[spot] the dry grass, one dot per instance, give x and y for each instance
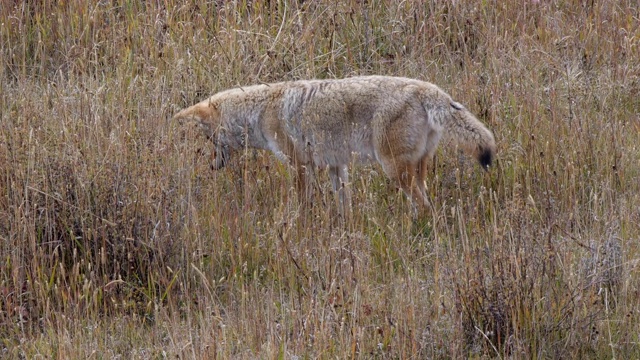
(117, 241)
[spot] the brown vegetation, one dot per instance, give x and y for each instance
(117, 240)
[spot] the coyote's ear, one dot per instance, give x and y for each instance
(206, 111)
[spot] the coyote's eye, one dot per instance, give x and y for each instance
(456, 105)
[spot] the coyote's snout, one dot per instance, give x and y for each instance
(394, 121)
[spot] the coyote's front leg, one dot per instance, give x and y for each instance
(341, 188)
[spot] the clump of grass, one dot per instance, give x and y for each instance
(117, 239)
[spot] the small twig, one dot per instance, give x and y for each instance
(73, 206)
(566, 233)
(490, 342)
(291, 255)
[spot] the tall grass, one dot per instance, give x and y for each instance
(117, 240)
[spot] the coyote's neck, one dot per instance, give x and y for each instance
(243, 122)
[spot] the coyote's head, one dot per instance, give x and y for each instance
(206, 116)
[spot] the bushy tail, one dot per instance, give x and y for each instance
(465, 129)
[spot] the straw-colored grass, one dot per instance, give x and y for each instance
(117, 240)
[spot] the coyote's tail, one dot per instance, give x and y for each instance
(471, 134)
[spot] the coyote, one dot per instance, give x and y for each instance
(394, 121)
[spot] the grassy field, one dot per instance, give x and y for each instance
(118, 241)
